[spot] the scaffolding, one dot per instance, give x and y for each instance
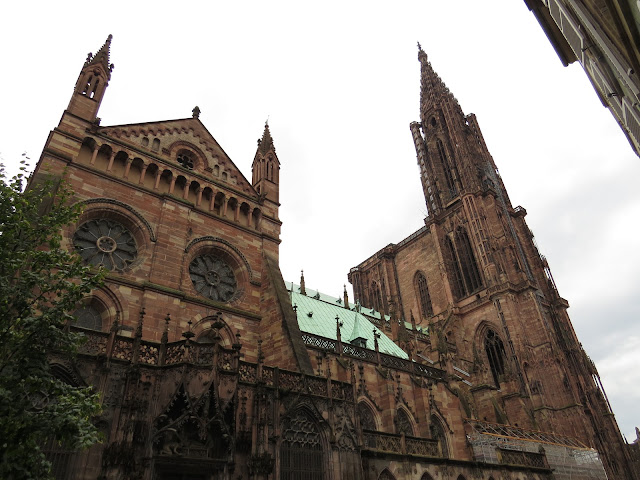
(568, 458)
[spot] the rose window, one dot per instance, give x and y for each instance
(185, 160)
(105, 242)
(212, 278)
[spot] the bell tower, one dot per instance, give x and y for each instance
(92, 83)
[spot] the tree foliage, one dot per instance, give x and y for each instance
(41, 282)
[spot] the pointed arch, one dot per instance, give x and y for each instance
(494, 348)
(404, 422)
(426, 476)
(376, 297)
(386, 475)
(366, 416)
(422, 293)
(302, 448)
(214, 328)
(194, 427)
(438, 433)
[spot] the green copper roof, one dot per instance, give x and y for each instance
(317, 315)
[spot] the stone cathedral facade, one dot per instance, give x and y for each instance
(456, 362)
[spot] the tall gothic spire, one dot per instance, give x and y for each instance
(433, 92)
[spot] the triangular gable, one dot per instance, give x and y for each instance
(172, 134)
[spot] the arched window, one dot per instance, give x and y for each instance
(403, 423)
(88, 316)
(470, 272)
(386, 475)
(457, 286)
(446, 167)
(495, 354)
(376, 297)
(423, 295)
(367, 420)
(437, 433)
(301, 451)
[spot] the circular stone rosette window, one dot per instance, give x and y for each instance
(105, 242)
(212, 278)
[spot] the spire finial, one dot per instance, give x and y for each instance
(346, 296)
(165, 332)
(196, 112)
(421, 53)
(303, 290)
(140, 322)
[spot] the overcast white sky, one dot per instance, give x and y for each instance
(339, 82)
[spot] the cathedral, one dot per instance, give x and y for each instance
(455, 360)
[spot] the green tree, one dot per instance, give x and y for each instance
(41, 282)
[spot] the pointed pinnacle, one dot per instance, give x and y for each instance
(266, 143)
(102, 57)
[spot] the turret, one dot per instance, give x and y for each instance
(266, 168)
(92, 83)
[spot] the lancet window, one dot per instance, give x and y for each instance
(423, 295)
(376, 297)
(495, 354)
(446, 167)
(464, 270)
(469, 267)
(457, 286)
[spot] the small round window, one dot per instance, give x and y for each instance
(105, 242)
(212, 278)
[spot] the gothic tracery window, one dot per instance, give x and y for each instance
(367, 421)
(403, 423)
(105, 242)
(88, 316)
(437, 433)
(185, 159)
(423, 295)
(495, 354)
(301, 450)
(212, 277)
